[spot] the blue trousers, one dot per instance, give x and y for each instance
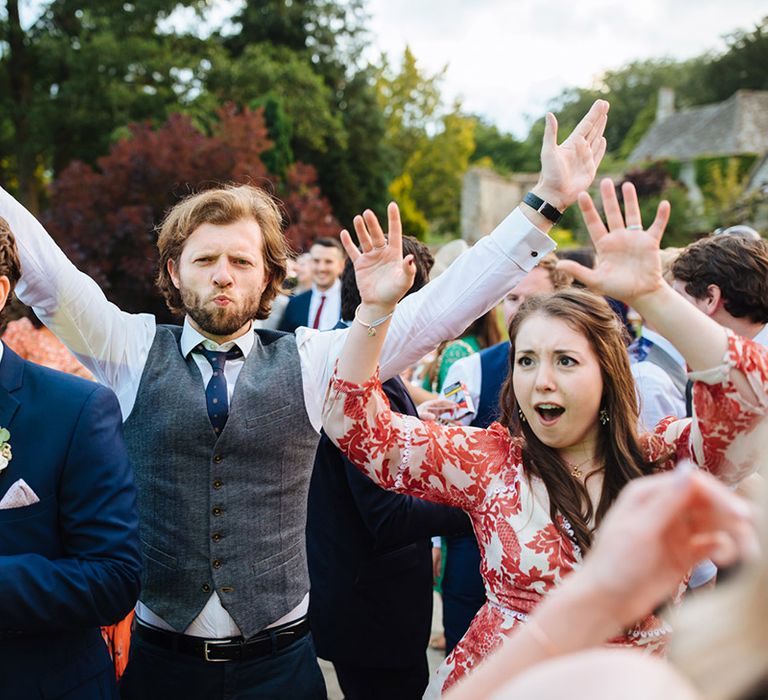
(463, 589)
(154, 673)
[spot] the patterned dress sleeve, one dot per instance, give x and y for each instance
(452, 465)
(727, 434)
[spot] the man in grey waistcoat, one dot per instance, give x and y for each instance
(222, 420)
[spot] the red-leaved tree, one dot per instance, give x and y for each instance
(106, 218)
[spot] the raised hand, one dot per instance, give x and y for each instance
(383, 275)
(658, 529)
(628, 265)
(570, 168)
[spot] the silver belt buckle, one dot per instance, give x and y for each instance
(213, 643)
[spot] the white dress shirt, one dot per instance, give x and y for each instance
(469, 371)
(331, 312)
(657, 395)
(114, 345)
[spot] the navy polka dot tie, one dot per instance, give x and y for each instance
(216, 397)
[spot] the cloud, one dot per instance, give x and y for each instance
(508, 59)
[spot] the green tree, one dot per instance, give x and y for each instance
(742, 66)
(77, 74)
(437, 169)
(307, 53)
(411, 103)
(506, 153)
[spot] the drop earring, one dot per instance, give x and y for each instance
(521, 415)
(603, 417)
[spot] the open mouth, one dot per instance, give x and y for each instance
(549, 412)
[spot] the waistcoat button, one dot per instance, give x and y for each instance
(217, 459)
(205, 588)
(217, 484)
(216, 537)
(216, 564)
(216, 511)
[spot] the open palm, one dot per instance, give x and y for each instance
(628, 264)
(383, 275)
(570, 167)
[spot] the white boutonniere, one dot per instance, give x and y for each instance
(5, 448)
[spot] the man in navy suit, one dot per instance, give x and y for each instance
(369, 555)
(320, 306)
(69, 545)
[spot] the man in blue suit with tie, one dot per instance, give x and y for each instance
(69, 545)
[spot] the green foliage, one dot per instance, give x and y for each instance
(505, 153)
(742, 66)
(726, 183)
(437, 169)
(632, 91)
(410, 101)
(414, 222)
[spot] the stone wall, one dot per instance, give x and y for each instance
(487, 198)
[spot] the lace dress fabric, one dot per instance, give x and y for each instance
(524, 555)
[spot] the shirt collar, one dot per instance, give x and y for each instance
(1, 351)
(664, 344)
(333, 289)
(762, 336)
(190, 339)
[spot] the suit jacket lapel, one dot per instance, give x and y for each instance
(11, 372)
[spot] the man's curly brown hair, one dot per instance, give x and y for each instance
(222, 206)
(737, 265)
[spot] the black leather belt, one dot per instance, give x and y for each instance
(231, 649)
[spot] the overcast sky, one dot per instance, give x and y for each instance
(508, 58)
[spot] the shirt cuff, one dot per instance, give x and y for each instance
(521, 241)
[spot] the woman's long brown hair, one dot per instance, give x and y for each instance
(618, 445)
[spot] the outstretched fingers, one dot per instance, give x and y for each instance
(378, 240)
(662, 219)
(395, 227)
(363, 236)
(549, 140)
(591, 217)
(579, 272)
(631, 206)
(349, 245)
(611, 205)
(591, 121)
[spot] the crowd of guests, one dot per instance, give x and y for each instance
(235, 496)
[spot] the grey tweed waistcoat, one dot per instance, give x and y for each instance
(228, 513)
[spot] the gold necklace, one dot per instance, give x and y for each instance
(576, 472)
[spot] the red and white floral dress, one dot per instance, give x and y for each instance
(524, 556)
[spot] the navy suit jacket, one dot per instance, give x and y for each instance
(370, 560)
(72, 561)
(296, 313)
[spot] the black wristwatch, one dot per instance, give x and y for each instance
(547, 210)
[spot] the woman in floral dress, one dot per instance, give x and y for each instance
(537, 489)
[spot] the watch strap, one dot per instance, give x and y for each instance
(547, 210)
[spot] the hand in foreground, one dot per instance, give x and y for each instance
(628, 265)
(570, 168)
(382, 275)
(660, 527)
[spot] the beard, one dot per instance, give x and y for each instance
(219, 321)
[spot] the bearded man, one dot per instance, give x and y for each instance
(222, 421)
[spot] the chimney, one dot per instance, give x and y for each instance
(665, 105)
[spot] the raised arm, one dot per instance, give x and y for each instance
(731, 391)
(478, 279)
(443, 464)
(112, 344)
